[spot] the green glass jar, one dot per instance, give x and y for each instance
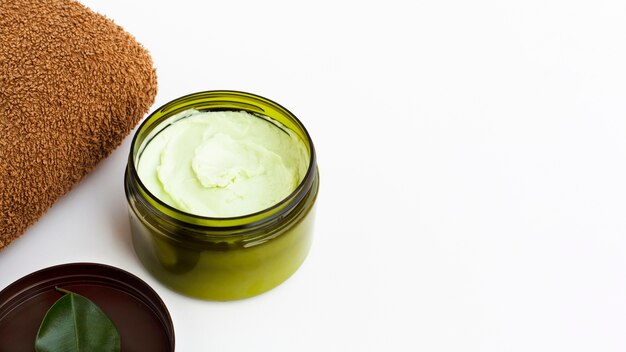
(221, 258)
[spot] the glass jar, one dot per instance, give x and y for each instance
(220, 258)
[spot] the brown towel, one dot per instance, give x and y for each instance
(72, 85)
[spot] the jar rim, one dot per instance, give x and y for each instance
(273, 212)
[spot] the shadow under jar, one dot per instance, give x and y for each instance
(220, 258)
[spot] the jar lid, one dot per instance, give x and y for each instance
(137, 311)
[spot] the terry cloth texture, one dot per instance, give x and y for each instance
(72, 85)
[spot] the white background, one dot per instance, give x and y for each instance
(473, 172)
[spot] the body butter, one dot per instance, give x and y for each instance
(223, 163)
(221, 187)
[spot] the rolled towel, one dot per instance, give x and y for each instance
(72, 85)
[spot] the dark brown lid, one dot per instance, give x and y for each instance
(136, 310)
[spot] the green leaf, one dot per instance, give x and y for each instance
(75, 324)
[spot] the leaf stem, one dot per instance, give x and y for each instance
(62, 290)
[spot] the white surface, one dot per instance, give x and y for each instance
(473, 169)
